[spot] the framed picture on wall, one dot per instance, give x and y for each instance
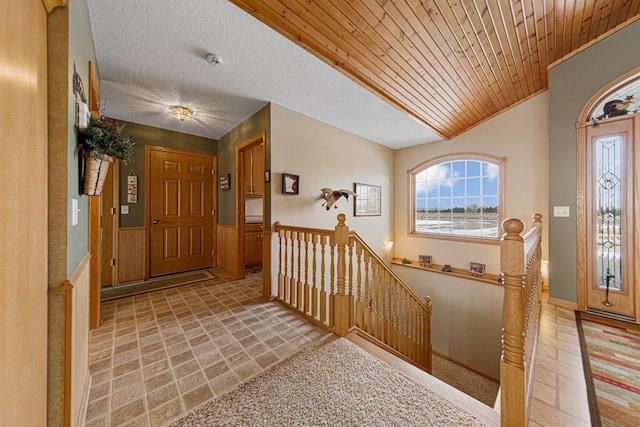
(476, 268)
(425, 260)
(225, 181)
(290, 183)
(368, 199)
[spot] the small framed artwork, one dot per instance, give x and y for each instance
(368, 199)
(476, 268)
(267, 175)
(290, 183)
(225, 181)
(424, 260)
(132, 187)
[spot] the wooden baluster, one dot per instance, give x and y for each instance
(409, 327)
(512, 405)
(415, 330)
(359, 320)
(314, 291)
(323, 282)
(341, 299)
(295, 270)
(305, 285)
(416, 338)
(350, 291)
(406, 327)
(387, 305)
(381, 307)
(299, 281)
(280, 263)
(410, 332)
(332, 283)
(393, 311)
(374, 300)
(286, 265)
(366, 322)
(378, 300)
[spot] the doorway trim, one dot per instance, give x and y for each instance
(240, 204)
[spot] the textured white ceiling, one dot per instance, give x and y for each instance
(151, 55)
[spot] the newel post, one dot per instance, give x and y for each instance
(512, 265)
(340, 299)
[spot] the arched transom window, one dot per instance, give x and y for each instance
(457, 196)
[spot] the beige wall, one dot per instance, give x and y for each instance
(521, 135)
(324, 156)
(467, 314)
(23, 201)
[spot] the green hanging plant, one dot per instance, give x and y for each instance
(104, 136)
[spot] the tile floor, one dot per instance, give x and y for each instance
(559, 391)
(159, 355)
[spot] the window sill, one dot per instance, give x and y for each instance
(492, 279)
(463, 239)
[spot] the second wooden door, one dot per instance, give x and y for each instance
(181, 211)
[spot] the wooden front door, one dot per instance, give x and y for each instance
(181, 211)
(611, 201)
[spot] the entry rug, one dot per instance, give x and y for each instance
(330, 383)
(611, 359)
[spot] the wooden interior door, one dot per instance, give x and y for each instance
(108, 227)
(180, 211)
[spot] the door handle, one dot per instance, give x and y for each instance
(155, 221)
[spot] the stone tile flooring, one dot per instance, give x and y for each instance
(159, 355)
(559, 391)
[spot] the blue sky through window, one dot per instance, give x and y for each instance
(458, 197)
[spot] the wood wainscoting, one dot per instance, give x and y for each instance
(227, 255)
(132, 247)
(77, 379)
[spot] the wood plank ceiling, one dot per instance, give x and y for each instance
(450, 63)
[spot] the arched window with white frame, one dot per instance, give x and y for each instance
(457, 197)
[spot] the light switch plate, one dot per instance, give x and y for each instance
(74, 212)
(124, 210)
(561, 211)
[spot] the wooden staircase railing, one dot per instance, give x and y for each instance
(334, 278)
(520, 258)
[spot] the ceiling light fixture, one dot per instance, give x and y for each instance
(181, 113)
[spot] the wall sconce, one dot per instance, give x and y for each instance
(181, 113)
(388, 245)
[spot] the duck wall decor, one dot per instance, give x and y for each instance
(330, 197)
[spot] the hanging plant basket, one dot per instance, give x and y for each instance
(95, 173)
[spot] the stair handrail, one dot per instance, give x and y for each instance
(316, 277)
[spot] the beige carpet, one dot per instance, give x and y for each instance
(330, 383)
(468, 382)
